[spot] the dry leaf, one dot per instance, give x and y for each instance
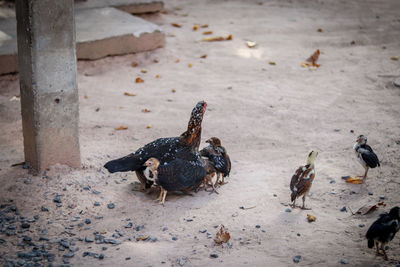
(319, 30)
(177, 25)
(149, 126)
(204, 26)
(103, 232)
(177, 61)
(251, 44)
(313, 58)
(353, 42)
(121, 107)
(367, 209)
(143, 70)
(143, 237)
(218, 38)
(222, 236)
(311, 218)
(121, 128)
(204, 56)
(207, 32)
(155, 60)
(354, 180)
(190, 65)
(145, 110)
(196, 27)
(129, 94)
(139, 80)
(382, 204)
(173, 91)
(394, 58)
(85, 97)
(134, 64)
(158, 76)
(272, 63)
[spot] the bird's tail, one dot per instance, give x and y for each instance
(293, 196)
(370, 243)
(124, 164)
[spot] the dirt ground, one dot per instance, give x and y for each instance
(268, 117)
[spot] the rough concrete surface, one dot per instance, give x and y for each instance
(268, 116)
(99, 32)
(130, 6)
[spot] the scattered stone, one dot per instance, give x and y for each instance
(111, 205)
(88, 221)
(80, 224)
(98, 217)
(297, 258)
(25, 225)
(96, 203)
(154, 239)
(43, 238)
(382, 197)
(344, 209)
(87, 188)
(397, 82)
(57, 199)
(361, 225)
(127, 258)
(203, 231)
(104, 248)
(96, 192)
(189, 220)
(44, 208)
(140, 227)
(332, 181)
(344, 261)
(214, 256)
(69, 255)
(89, 239)
(371, 193)
(174, 238)
(165, 229)
(129, 225)
(288, 210)
(298, 234)
(111, 241)
(258, 226)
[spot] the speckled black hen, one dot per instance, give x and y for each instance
(181, 152)
(383, 230)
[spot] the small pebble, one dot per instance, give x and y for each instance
(343, 209)
(88, 221)
(88, 239)
(371, 193)
(332, 181)
(57, 199)
(258, 226)
(96, 203)
(43, 208)
(203, 231)
(344, 261)
(127, 258)
(288, 210)
(382, 197)
(111, 205)
(298, 234)
(174, 238)
(165, 229)
(214, 256)
(296, 258)
(361, 225)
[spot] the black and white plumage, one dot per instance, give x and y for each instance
(218, 157)
(383, 230)
(173, 151)
(365, 155)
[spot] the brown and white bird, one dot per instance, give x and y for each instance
(211, 172)
(365, 155)
(152, 165)
(302, 179)
(218, 158)
(383, 230)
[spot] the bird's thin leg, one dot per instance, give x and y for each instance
(385, 257)
(377, 248)
(214, 190)
(304, 200)
(294, 204)
(366, 171)
(217, 181)
(163, 199)
(160, 196)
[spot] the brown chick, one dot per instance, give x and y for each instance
(153, 164)
(302, 180)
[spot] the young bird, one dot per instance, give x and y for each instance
(211, 171)
(302, 179)
(152, 165)
(365, 154)
(383, 230)
(218, 157)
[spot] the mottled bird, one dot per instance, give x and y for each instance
(218, 158)
(365, 155)
(302, 179)
(383, 230)
(182, 150)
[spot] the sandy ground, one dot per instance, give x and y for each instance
(268, 118)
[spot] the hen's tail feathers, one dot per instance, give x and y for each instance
(370, 243)
(124, 164)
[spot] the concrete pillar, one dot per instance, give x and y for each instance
(48, 84)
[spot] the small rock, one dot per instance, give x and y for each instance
(288, 210)
(88, 239)
(361, 225)
(332, 181)
(203, 231)
(111, 241)
(298, 234)
(44, 208)
(189, 220)
(111, 205)
(165, 229)
(275, 195)
(397, 82)
(174, 238)
(382, 197)
(296, 258)
(371, 193)
(343, 209)
(69, 255)
(140, 227)
(127, 258)
(57, 199)
(344, 261)
(104, 248)
(88, 221)
(101, 256)
(96, 192)
(258, 226)
(25, 225)
(96, 203)
(129, 225)
(214, 256)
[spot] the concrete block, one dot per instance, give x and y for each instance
(130, 6)
(108, 31)
(48, 83)
(99, 33)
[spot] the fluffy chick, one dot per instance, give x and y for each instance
(365, 155)
(152, 164)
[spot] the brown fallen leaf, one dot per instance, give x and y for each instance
(354, 180)
(222, 236)
(204, 26)
(207, 32)
(190, 65)
(149, 126)
(155, 60)
(177, 61)
(272, 63)
(319, 30)
(382, 204)
(313, 58)
(394, 58)
(129, 94)
(158, 76)
(121, 128)
(218, 38)
(134, 64)
(196, 27)
(177, 25)
(143, 237)
(367, 209)
(143, 71)
(85, 97)
(353, 42)
(103, 232)
(145, 110)
(173, 91)
(311, 218)
(139, 80)
(204, 56)
(251, 44)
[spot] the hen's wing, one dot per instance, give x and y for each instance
(369, 157)
(181, 174)
(164, 149)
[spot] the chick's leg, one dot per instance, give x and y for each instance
(160, 196)
(217, 181)
(293, 205)
(304, 200)
(164, 196)
(366, 171)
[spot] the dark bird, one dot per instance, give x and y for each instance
(180, 152)
(217, 156)
(365, 154)
(177, 175)
(383, 230)
(302, 179)
(211, 172)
